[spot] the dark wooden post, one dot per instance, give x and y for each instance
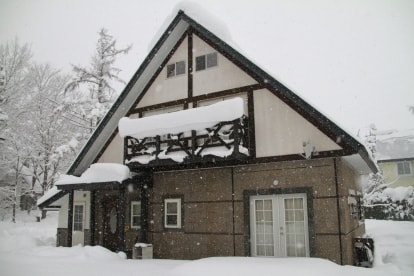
(144, 211)
(157, 147)
(126, 141)
(236, 133)
(121, 217)
(193, 143)
(92, 218)
(70, 220)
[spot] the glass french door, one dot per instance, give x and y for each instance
(278, 225)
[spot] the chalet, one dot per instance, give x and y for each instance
(206, 154)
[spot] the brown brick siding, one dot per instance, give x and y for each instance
(214, 212)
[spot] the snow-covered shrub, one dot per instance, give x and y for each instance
(390, 204)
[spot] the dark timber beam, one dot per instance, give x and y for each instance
(92, 219)
(144, 213)
(121, 218)
(70, 219)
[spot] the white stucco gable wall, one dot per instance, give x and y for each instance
(165, 89)
(226, 75)
(114, 153)
(280, 130)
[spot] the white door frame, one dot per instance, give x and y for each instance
(273, 225)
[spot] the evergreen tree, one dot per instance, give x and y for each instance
(91, 90)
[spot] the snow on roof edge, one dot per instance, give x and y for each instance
(98, 172)
(48, 194)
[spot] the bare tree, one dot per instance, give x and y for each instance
(49, 130)
(14, 59)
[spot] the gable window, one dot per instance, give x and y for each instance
(135, 214)
(175, 69)
(404, 168)
(172, 213)
(206, 61)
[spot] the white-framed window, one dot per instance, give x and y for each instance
(135, 214)
(175, 69)
(404, 168)
(78, 217)
(172, 213)
(206, 61)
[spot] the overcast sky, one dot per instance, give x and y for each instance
(353, 60)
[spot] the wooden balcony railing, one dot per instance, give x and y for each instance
(224, 141)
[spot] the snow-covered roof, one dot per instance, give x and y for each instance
(182, 121)
(99, 172)
(396, 144)
(48, 195)
(96, 173)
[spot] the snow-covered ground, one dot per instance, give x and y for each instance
(27, 248)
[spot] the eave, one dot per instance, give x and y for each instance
(396, 160)
(48, 203)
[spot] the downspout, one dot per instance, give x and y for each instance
(338, 210)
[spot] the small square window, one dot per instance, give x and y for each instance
(136, 214)
(175, 69)
(172, 213)
(404, 168)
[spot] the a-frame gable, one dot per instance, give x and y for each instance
(192, 82)
(181, 27)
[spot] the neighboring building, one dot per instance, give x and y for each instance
(396, 158)
(217, 158)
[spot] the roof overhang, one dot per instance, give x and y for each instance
(361, 162)
(111, 185)
(396, 160)
(54, 200)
